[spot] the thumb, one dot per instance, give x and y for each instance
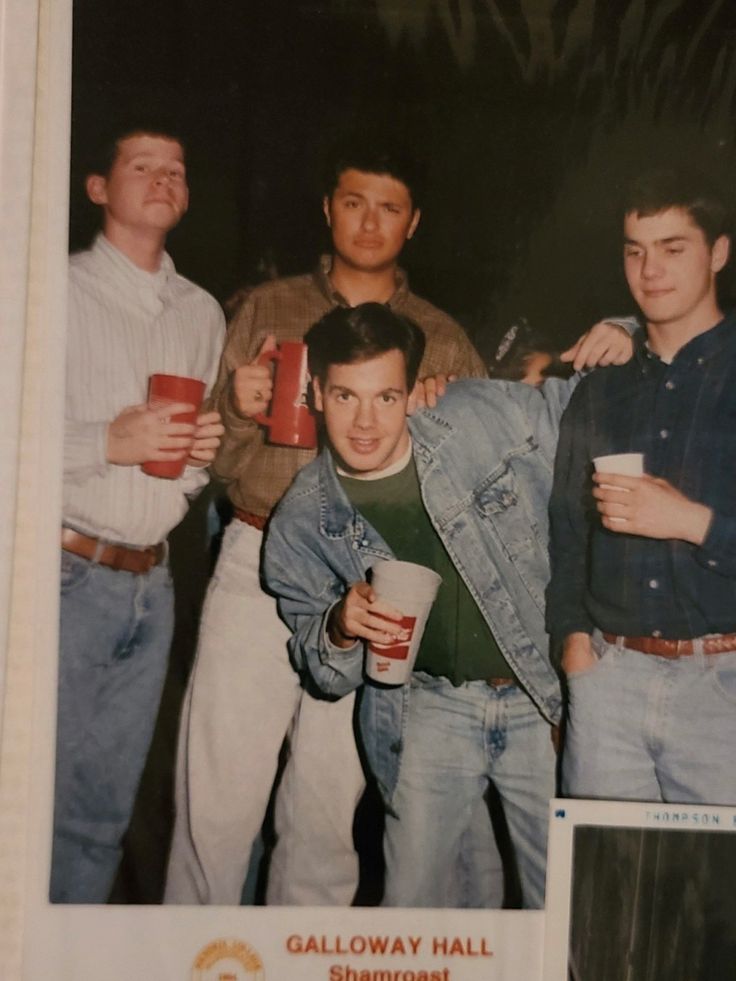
(569, 354)
(269, 344)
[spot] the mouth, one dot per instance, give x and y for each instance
(364, 446)
(655, 294)
(368, 243)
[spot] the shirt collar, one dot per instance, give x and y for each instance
(151, 290)
(324, 284)
(697, 351)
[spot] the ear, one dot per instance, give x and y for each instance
(326, 210)
(720, 253)
(414, 222)
(317, 392)
(96, 187)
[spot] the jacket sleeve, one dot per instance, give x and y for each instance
(570, 524)
(306, 589)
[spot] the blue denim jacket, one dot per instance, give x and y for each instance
(484, 458)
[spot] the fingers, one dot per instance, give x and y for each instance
(605, 343)
(363, 615)
(252, 388)
(167, 410)
(434, 388)
(417, 400)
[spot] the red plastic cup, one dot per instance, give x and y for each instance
(165, 390)
(291, 422)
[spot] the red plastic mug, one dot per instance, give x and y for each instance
(290, 423)
(165, 390)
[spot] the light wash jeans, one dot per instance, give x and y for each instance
(114, 640)
(650, 728)
(457, 739)
(243, 699)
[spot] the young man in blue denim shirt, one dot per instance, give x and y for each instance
(462, 487)
(644, 571)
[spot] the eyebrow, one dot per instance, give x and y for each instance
(349, 391)
(660, 241)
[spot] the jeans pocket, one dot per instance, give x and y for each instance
(74, 571)
(722, 672)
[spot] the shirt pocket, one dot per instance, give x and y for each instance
(507, 514)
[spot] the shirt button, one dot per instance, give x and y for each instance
(700, 361)
(365, 543)
(669, 385)
(654, 583)
(712, 563)
(664, 433)
(656, 633)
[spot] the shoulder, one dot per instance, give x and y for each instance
(429, 317)
(603, 387)
(302, 495)
(286, 289)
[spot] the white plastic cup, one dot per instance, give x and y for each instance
(627, 464)
(411, 589)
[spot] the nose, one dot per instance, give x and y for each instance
(364, 414)
(650, 265)
(370, 218)
(161, 176)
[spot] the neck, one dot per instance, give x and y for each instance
(143, 250)
(356, 286)
(666, 339)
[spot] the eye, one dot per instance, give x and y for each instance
(387, 398)
(393, 209)
(342, 397)
(674, 250)
(631, 252)
(140, 168)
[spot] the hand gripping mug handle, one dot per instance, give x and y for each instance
(267, 356)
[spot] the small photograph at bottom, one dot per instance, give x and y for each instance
(652, 905)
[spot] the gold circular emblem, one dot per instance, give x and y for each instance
(228, 960)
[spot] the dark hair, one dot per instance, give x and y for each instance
(374, 153)
(519, 343)
(104, 149)
(348, 335)
(657, 190)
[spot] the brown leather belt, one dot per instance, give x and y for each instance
(118, 557)
(499, 682)
(717, 644)
(254, 520)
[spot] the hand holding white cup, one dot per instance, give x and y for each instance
(411, 589)
(623, 464)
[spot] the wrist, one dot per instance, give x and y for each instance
(698, 524)
(337, 634)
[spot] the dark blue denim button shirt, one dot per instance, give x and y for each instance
(682, 417)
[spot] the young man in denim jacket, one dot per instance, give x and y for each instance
(463, 488)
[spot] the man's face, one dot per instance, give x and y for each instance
(146, 189)
(371, 217)
(364, 406)
(671, 268)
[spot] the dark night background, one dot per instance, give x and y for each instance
(528, 113)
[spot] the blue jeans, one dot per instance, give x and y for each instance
(456, 740)
(114, 640)
(650, 728)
